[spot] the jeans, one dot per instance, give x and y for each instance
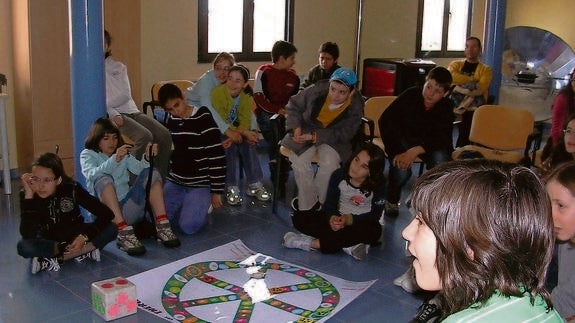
(188, 206)
(398, 177)
(312, 189)
(44, 248)
(250, 162)
(134, 204)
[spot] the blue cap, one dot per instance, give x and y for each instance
(345, 76)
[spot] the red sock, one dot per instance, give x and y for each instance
(122, 225)
(161, 218)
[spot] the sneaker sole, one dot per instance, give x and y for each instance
(133, 251)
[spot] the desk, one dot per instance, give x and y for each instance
(5, 155)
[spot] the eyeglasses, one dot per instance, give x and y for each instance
(568, 132)
(222, 69)
(38, 180)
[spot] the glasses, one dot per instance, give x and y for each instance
(568, 132)
(222, 69)
(38, 180)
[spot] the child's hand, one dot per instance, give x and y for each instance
(337, 222)
(118, 121)
(217, 201)
(122, 152)
(154, 150)
(28, 191)
(234, 136)
(76, 245)
(251, 136)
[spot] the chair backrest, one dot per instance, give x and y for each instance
(182, 84)
(501, 127)
(373, 109)
(152, 104)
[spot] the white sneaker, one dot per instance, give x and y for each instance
(259, 191)
(41, 264)
(359, 251)
(407, 281)
(94, 255)
(295, 240)
(233, 196)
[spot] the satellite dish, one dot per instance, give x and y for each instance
(535, 66)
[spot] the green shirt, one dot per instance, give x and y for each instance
(500, 308)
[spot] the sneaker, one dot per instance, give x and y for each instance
(166, 235)
(427, 312)
(233, 196)
(94, 255)
(391, 209)
(359, 251)
(259, 191)
(41, 264)
(298, 241)
(128, 242)
(407, 281)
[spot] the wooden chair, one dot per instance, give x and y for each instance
(374, 108)
(502, 133)
(154, 104)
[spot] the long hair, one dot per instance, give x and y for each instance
(567, 90)
(493, 226)
(376, 166)
(53, 162)
(99, 129)
(564, 175)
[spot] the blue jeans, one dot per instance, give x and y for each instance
(250, 161)
(398, 177)
(44, 248)
(134, 204)
(188, 206)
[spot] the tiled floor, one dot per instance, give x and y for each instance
(64, 296)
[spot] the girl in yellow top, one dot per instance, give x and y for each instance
(233, 102)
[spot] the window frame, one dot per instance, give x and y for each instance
(443, 53)
(247, 55)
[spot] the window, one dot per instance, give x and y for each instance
(442, 27)
(249, 36)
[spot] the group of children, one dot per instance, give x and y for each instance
(483, 231)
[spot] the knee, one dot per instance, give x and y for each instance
(103, 182)
(25, 248)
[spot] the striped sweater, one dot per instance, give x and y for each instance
(198, 159)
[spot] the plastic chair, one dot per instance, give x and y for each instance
(502, 133)
(154, 104)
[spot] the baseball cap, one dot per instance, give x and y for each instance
(345, 76)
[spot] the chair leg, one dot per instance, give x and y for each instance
(276, 187)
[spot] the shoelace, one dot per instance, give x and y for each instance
(50, 264)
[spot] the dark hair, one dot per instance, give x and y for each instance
(53, 162)
(245, 72)
(99, 129)
(567, 90)
(282, 48)
(376, 166)
(559, 154)
(493, 226)
(564, 175)
(108, 42)
(442, 76)
(330, 48)
(168, 92)
(476, 39)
